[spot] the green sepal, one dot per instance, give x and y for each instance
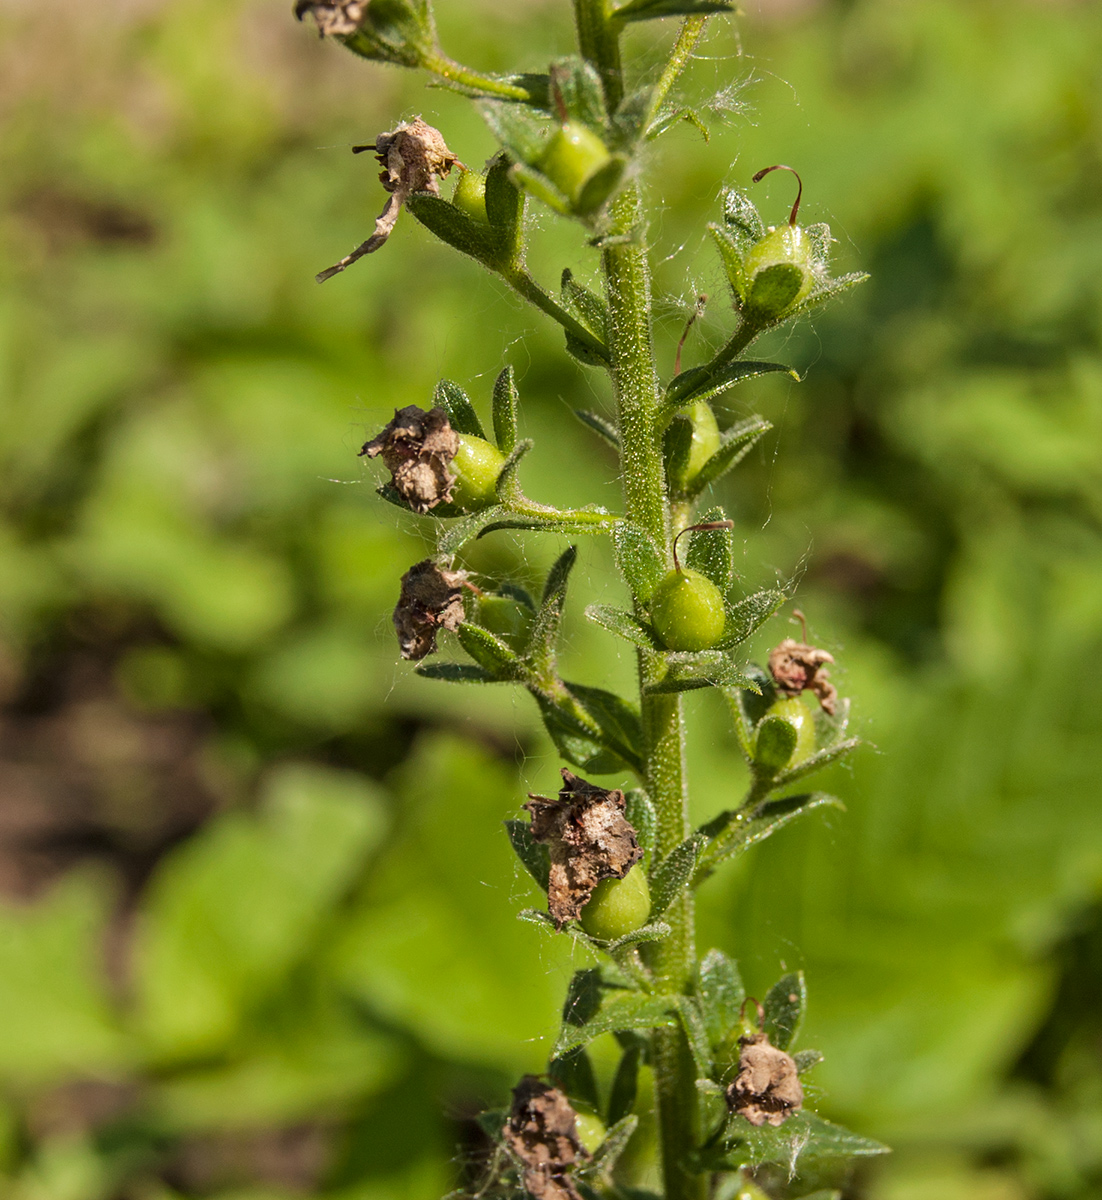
(650, 10)
(581, 91)
(505, 205)
(585, 304)
(747, 616)
(653, 931)
(543, 189)
(626, 126)
(803, 1137)
(573, 1073)
(815, 762)
(731, 254)
(771, 292)
(506, 485)
(600, 186)
(584, 353)
(696, 1034)
(783, 1009)
(593, 1008)
(458, 408)
(452, 672)
(466, 529)
(742, 219)
(625, 1083)
(533, 855)
(608, 1152)
(462, 232)
(621, 727)
(522, 130)
(686, 671)
(490, 652)
(733, 832)
(400, 32)
(639, 560)
(805, 1060)
(624, 625)
(674, 872)
(579, 744)
(706, 382)
(568, 523)
(720, 994)
(641, 816)
(711, 551)
(505, 404)
(828, 290)
(540, 649)
(775, 743)
(734, 444)
(677, 447)
(600, 426)
(672, 114)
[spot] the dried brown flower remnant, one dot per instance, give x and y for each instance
(767, 1087)
(431, 599)
(589, 839)
(334, 18)
(796, 666)
(542, 1132)
(417, 448)
(412, 156)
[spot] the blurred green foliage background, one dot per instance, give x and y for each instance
(258, 936)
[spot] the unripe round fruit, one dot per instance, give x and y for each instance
(470, 195)
(798, 717)
(687, 610)
(590, 1129)
(778, 270)
(476, 467)
(572, 156)
(617, 907)
(705, 437)
(506, 617)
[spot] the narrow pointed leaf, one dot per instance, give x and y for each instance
(641, 564)
(489, 651)
(466, 529)
(784, 1007)
(824, 294)
(640, 814)
(452, 672)
(573, 1073)
(803, 1138)
(677, 446)
(461, 414)
(619, 1010)
(649, 10)
(706, 383)
(625, 625)
(625, 1084)
(674, 873)
(711, 551)
(580, 521)
(585, 304)
(506, 403)
(696, 1034)
(816, 762)
(578, 744)
(540, 650)
(734, 445)
(615, 1143)
(581, 91)
(520, 129)
(506, 487)
(749, 615)
(603, 428)
(731, 253)
(532, 854)
(720, 993)
(805, 1060)
(654, 931)
(705, 668)
(505, 203)
(621, 728)
(461, 232)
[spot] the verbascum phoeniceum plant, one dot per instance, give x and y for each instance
(713, 1071)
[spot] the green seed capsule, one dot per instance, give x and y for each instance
(506, 617)
(778, 271)
(470, 195)
(786, 734)
(617, 907)
(572, 157)
(687, 610)
(476, 466)
(590, 1129)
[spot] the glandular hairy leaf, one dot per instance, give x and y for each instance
(706, 383)
(505, 405)
(748, 615)
(533, 856)
(624, 625)
(720, 994)
(674, 872)
(608, 1152)
(641, 563)
(456, 673)
(540, 650)
(649, 10)
(735, 443)
(802, 1140)
(585, 304)
(461, 232)
(711, 551)
(490, 652)
(600, 425)
(457, 405)
(640, 812)
(615, 1009)
(783, 1008)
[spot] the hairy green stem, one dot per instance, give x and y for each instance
(523, 283)
(691, 30)
(599, 42)
(485, 85)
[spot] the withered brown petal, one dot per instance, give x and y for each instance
(431, 599)
(588, 839)
(542, 1133)
(334, 18)
(797, 667)
(767, 1087)
(417, 448)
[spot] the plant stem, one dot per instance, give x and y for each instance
(687, 38)
(485, 85)
(599, 42)
(519, 279)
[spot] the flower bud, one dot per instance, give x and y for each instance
(580, 165)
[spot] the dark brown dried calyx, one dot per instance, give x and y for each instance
(797, 667)
(334, 18)
(542, 1132)
(767, 1087)
(589, 839)
(417, 448)
(412, 156)
(431, 600)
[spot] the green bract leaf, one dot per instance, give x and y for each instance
(805, 1060)
(454, 537)
(803, 1137)
(711, 551)
(452, 672)
(621, 729)
(454, 226)
(674, 873)
(581, 520)
(505, 204)
(457, 405)
(734, 445)
(540, 650)
(706, 383)
(625, 1083)
(649, 10)
(592, 1009)
(687, 671)
(506, 402)
(677, 447)
(586, 305)
(507, 488)
(732, 254)
(640, 814)
(587, 355)
(747, 616)
(783, 1007)
(625, 625)
(398, 32)
(652, 932)
(823, 758)
(600, 426)
(489, 651)
(733, 832)
(532, 854)
(523, 131)
(616, 1140)
(641, 564)
(742, 219)
(827, 291)
(696, 1034)
(720, 993)
(573, 1073)
(581, 91)
(543, 189)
